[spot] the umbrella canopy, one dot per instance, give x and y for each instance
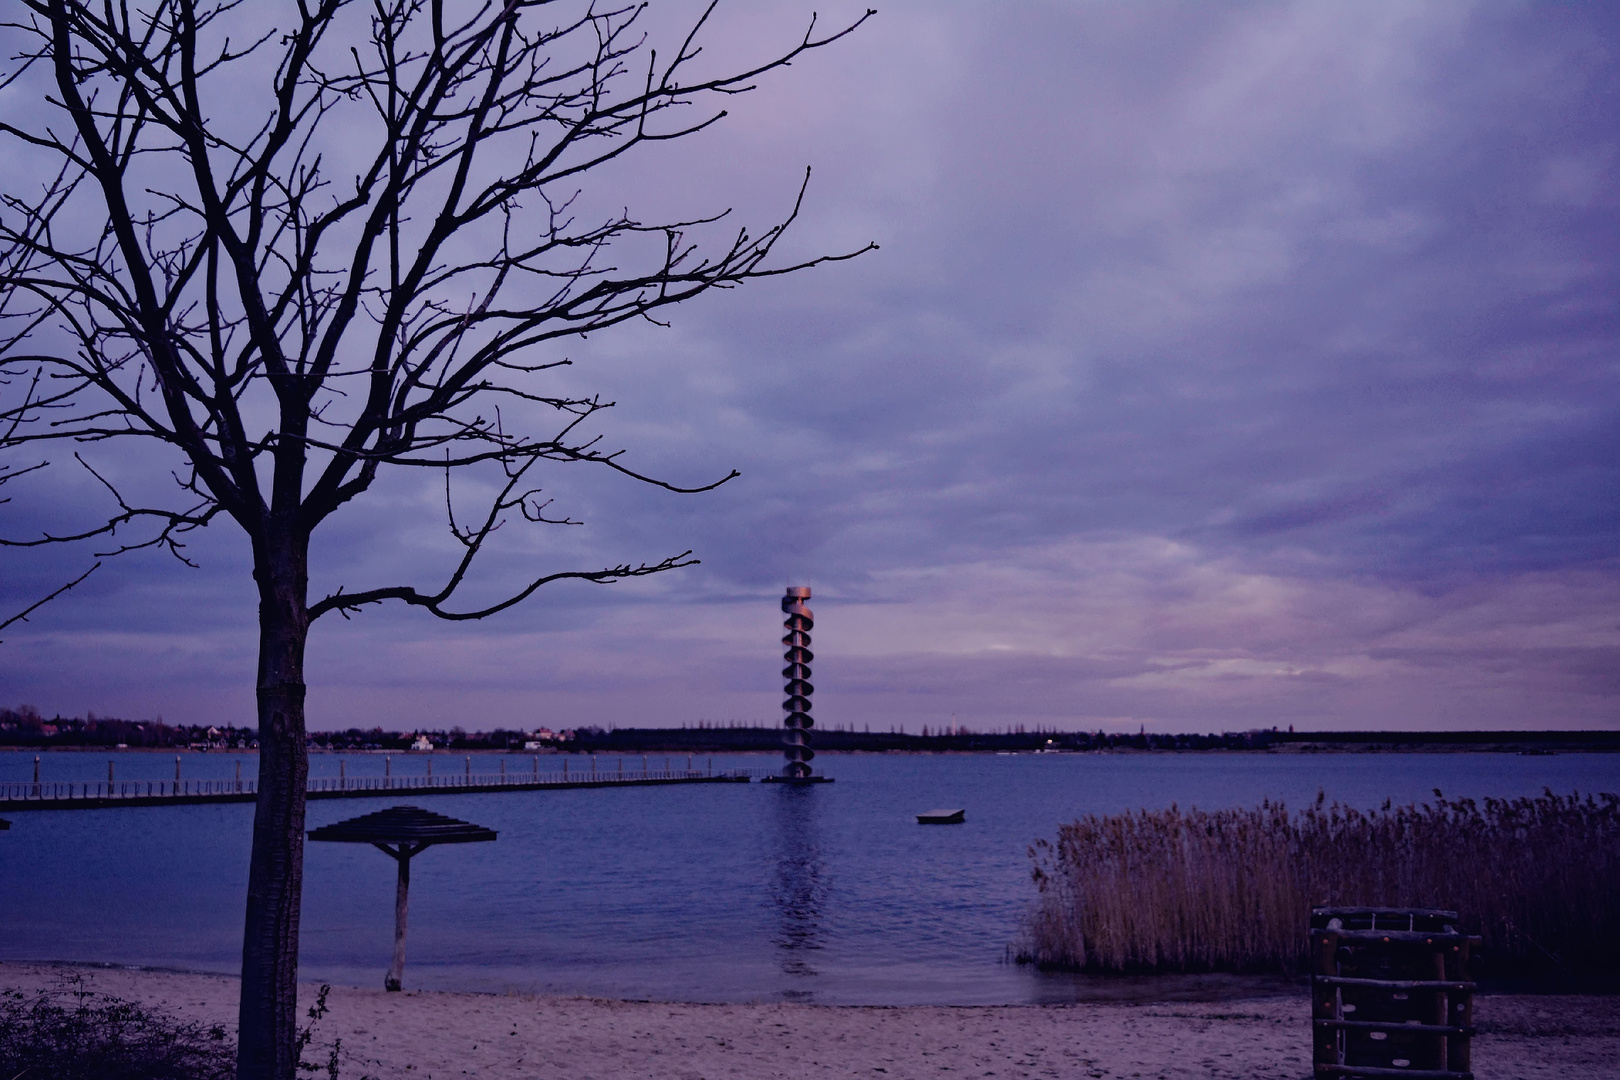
(401, 825)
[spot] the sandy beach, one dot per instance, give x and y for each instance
(428, 1035)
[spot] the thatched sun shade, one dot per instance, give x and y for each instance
(409, 829)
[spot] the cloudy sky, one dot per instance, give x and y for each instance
(1222, 366)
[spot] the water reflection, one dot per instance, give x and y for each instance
(799, 888)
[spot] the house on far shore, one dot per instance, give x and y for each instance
(541, 738)
(422, 743)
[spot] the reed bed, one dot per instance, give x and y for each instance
(1231, 890)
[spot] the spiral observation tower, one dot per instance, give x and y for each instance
(798, 688)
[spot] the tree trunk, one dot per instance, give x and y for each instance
(268, 1019)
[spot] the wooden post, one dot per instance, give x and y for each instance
(1461, 1011)
(238, 774)
(537, 767)
(503, 768)
(36, 768)
(109, 776)
(343, 776)
(1326, 1001)
(402, 855)
(430, 766)
(1441, 1014)
(469, 768)
(388, 771)
(177, 768)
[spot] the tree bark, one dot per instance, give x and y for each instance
(268, 1016)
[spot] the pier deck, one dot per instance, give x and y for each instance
(95, 795)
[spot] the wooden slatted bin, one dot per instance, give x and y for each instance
(1391, 993)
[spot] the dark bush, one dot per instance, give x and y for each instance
(73, 1033)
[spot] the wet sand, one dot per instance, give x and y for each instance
(428, 1035)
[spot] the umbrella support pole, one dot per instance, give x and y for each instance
(401, 855)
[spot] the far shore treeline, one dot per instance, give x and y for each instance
(25, 727)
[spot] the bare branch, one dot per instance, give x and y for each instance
(347, 602)
(22, 616)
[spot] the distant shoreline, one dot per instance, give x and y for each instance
(766, 741)
(25, 727)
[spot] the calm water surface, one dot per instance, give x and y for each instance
(706, 893)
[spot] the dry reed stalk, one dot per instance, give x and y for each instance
(1231, 890)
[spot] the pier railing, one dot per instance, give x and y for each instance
(124, 789)
(149, 792)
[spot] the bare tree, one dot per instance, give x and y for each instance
(195, 270)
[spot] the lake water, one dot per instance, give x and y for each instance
(725, 892)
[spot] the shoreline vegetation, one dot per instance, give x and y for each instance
(67, 1030)
(1229, 890)
(25, 728)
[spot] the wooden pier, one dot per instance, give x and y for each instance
(92, 795)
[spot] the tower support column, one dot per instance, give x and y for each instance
(797, 724)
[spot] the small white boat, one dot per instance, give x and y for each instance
(942, 817)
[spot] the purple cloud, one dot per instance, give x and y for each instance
(1221, 367)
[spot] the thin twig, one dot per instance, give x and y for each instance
(22, 616)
